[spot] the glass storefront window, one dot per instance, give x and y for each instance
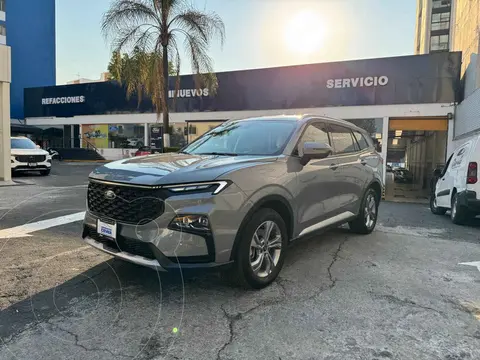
(126, 136)
(374, 127)
(177, 135)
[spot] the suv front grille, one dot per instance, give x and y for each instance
(130, 204)
(30, 158)
(134, 247)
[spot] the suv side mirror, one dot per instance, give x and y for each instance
(313, 150)
(37, 146)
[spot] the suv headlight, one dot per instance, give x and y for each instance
(190, 223)
(214, 186)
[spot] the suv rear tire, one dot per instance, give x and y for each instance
(366, 220)
(458, 213)
(252, 266)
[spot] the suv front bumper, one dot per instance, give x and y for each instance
(159, 261)
(25, 166)
(160, 247)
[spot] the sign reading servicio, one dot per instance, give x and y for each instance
(357, 82)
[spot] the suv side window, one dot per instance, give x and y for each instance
(447, 165)
(360, 139)
(342, 138)
(315, 132)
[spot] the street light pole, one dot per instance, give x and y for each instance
(5, 79)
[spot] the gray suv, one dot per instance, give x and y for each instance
(237, 196)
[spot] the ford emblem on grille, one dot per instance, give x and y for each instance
(110, 195)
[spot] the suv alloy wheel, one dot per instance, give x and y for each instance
(262, 249)
(366, 220)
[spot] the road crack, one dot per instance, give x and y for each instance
(281, 282)
(17, 334)
(77, 343)
(404, 302)
(232, 319)
(333, 281)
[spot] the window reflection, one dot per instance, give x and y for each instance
(126, 136)
(374, 127)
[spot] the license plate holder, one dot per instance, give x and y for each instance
(108, 230)
(32, 164)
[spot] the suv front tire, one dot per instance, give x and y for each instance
(262, 249)
(366, 220)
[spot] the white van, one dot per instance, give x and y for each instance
(458, 188)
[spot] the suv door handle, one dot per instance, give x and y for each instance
(334, 166)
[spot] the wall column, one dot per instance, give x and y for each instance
(146, 132)
(450, 135)
(5, 79)
(384, 148)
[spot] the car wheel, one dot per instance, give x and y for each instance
(45, 172)
(458, 213)
(261, 251)
(366, 220)
(434, 208)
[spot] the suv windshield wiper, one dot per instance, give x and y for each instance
(218, 153)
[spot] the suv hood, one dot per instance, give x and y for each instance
(14, 152)
(174, 168)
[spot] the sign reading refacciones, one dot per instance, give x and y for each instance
(64, 100)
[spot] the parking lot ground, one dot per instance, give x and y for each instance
(399, 293)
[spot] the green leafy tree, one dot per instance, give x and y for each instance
(120, 62)
(153, 31)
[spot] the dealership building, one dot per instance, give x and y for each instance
(407, 105)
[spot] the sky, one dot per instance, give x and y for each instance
(259, 33)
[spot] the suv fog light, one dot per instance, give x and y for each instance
(190, 222)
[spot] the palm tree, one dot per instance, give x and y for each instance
(156, 28)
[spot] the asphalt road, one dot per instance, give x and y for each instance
(398, 293)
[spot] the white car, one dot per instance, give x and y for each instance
(458, 187)
(27, 156)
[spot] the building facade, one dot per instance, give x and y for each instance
(3, 29)
(105, 76)
(28, 27)
(405, 103)
(434, 30)
(454, 25)
(466, 38)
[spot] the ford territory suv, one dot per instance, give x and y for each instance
(236, 196)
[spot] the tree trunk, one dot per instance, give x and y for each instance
(166, 119)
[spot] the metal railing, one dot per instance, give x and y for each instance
(88, 145)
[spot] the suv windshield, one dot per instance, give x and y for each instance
(22, 144)
(251, 137)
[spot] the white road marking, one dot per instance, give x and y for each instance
(25, 230)
(474, 263)
(409, 231)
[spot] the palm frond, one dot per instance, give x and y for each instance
(150, 31)
(128, 12)
(205, 26)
